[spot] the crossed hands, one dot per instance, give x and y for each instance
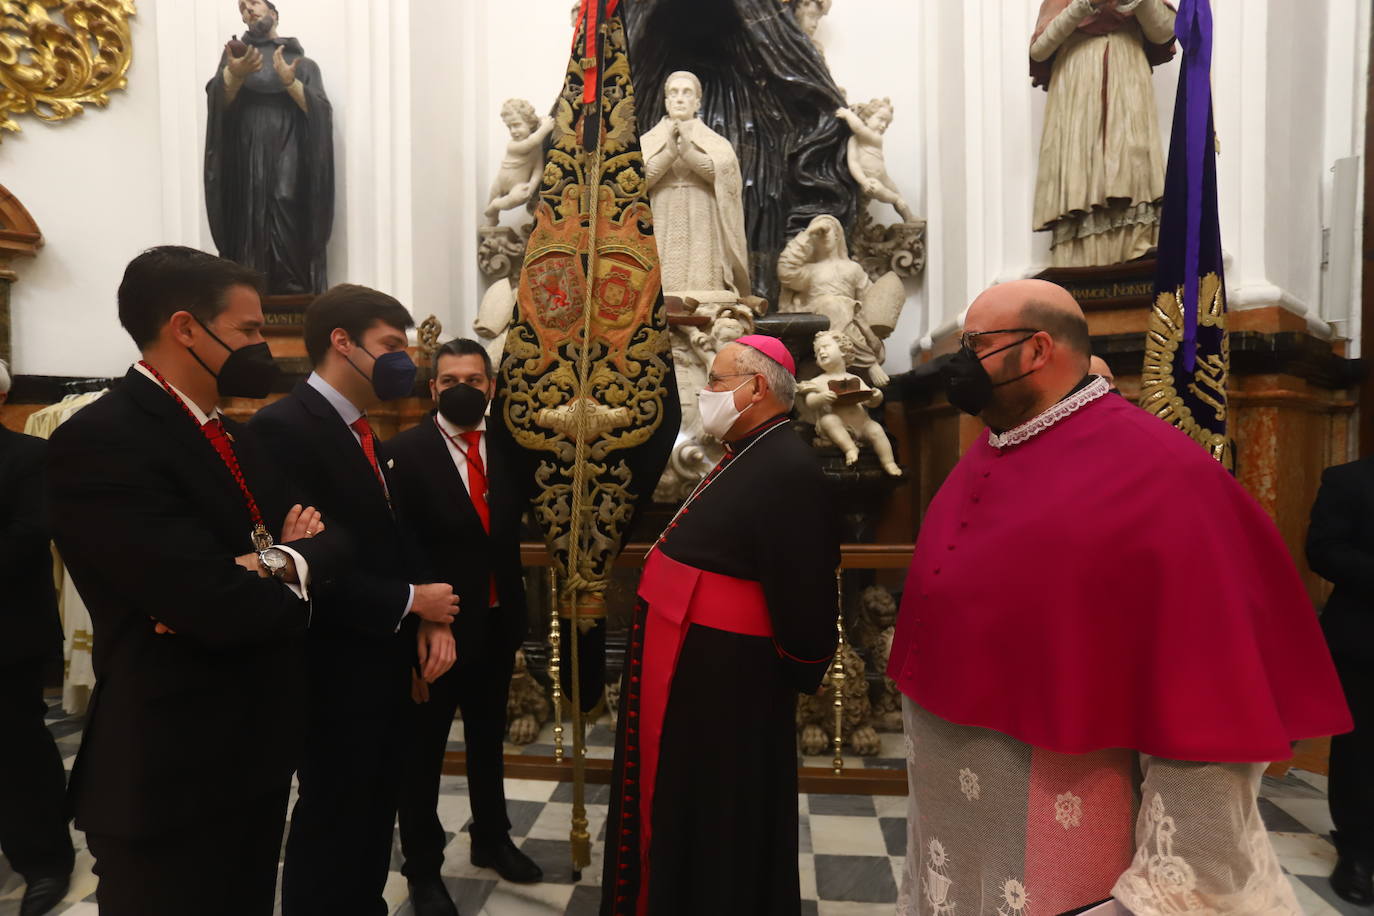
(301, 522)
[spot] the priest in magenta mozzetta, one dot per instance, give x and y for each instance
(736, 615)
(1102, 642)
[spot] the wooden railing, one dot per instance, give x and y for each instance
(852, 780)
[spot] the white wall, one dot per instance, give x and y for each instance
(417, 86)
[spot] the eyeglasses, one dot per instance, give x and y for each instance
(712, 380)
(968, 338)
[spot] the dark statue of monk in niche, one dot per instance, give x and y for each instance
(269, 156)
(765, 88)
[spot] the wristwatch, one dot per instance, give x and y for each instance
(274, 560)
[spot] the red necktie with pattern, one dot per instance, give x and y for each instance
(477, 477)
(477, 491)
(364, 431)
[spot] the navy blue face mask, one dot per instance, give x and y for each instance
(393, 374)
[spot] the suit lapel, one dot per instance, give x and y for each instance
(193, 455)
(438, 457)
(337, 437)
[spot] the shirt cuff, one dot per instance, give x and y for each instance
(410, 602)
(301, 587)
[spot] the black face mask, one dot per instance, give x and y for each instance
(967, 383)
(463, 405)
(249, 372)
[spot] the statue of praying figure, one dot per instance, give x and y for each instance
(839, 397)
(269, 156)
(866, 162)
(696, 194)
(523, 164)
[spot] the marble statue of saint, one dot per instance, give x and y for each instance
(839, 399)
(523, 163)
(866, 163)
(818, 277)
(696, 194)
(269, 156)
(1101, 171)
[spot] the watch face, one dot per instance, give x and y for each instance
(273, 559)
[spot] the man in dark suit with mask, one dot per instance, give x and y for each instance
(33, 820)
(371, 620)
(1340, 548)
(166, 513)
(455, 486)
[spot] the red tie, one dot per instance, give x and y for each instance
(477, 491)
(364, 431)
(477, 477)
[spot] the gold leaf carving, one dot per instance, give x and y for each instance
(1158, 393)
(56, 56)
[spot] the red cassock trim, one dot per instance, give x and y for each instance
(677, 595)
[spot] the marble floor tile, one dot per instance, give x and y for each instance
(1312, 813)
(1322, 888)
(1277, 819)
(894, 834)
(890, 805)
(1311, 902)
(851, 805)
(861, 879)
(847, 836)
(1304, 853)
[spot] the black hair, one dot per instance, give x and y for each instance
(463, 346)
(353, 308)
(172, 278)
(1068, 329)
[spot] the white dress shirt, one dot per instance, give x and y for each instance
(301, 590)
(458, 447)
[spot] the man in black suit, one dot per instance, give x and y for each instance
(165, 513)
(33, 819)
(457, 491)
(371, 621)
(1340, 548)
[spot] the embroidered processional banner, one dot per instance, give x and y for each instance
(1187, 354)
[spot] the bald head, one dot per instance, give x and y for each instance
(1037, 304)
(1039, 353)
(1098, 366)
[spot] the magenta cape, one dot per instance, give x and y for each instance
(1107, 584)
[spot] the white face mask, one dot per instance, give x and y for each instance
(718, 411)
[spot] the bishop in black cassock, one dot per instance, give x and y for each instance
(736, 615)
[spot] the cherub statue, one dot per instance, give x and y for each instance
(839, 397)
(527, 704)
(866, 161)
(524, 161)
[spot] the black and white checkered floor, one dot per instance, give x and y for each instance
(852, 846)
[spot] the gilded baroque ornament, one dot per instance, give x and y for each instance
(1196, 405)
(56, 56)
